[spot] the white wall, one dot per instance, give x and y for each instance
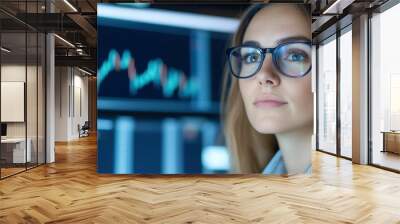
(80, 89)
(71, 93)
(12, 101)
(61, 103)
(15, 72)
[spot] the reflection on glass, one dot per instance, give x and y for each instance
(346, 94)
(13, 87)
(327, 97)
(385, 86)
(41, 98)
(22, 91)
(31, 100)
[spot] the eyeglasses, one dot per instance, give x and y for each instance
(292, 59)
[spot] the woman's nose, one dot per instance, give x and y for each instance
(267, 74)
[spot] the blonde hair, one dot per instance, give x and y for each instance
(241, 138)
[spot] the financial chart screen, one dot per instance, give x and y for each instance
(154, 67)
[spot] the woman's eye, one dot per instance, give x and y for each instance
(296, 57)
(251, 58)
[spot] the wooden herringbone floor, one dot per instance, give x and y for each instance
(70, 191)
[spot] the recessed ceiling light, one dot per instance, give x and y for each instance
(70, 5)
(64, 40)
(5, 49)
(338, 6)
(84, 71)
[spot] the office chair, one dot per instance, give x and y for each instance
(84, 130)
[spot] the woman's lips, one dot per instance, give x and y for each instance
(269, 103)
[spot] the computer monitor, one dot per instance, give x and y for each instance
(180, 74)
(3, 129)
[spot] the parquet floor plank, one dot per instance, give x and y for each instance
(70, 191)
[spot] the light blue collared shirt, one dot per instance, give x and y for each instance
(277, 166)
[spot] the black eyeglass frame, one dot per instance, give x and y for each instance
(263, 52)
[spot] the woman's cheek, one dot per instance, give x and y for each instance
(245, 90)
(307, 98)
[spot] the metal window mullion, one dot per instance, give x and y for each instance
(37, 91)
(317, 96)
(26, 86)
(369, 78)
(0, 96)
(338, 97)
(73, 92)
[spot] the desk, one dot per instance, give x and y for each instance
(391, 141)
(17, 150)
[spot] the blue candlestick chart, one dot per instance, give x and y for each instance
(157, 73)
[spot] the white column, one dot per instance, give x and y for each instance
(360, 90)
(50, 93)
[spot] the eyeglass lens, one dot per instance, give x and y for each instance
(292, 59)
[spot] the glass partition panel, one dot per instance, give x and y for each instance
(14, 153)
(327, 96)
(31, 98)
(346, 94)
(385, 89)
(41, 98)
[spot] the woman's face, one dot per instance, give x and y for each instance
(262, 91)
